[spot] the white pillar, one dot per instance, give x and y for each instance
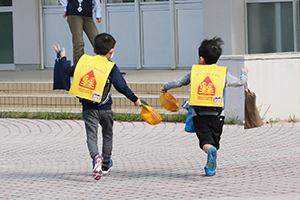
(226, 19)
(26, 31)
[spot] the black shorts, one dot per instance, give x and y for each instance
(209, 129)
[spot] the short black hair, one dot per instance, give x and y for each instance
(210, 50)
(103, 43)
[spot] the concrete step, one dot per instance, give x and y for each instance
(29, 96)
(138, 88)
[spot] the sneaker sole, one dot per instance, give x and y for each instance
(98, 169)
(211, 161)
(105, 172)
(208, 172)
(109, 167)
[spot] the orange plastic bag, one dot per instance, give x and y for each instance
(150, 115)
(169, 102)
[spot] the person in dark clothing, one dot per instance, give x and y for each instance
(97, 110)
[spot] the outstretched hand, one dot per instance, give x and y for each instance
(138, 103)
(163, 90)
(63, 52)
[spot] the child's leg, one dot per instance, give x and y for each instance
(208, 130)
(91, 121)
(106, 121)
(206, 148)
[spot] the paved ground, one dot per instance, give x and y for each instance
(48, 159)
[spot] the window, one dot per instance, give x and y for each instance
(120, 1)
(6, 3)
(270, 27)
(152, 0)
(131, 1)
(51, 2)
(6, 33)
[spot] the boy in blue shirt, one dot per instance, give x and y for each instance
(209, 122)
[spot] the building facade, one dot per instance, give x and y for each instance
(150, 34)
(262, 35)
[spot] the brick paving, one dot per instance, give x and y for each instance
(48, 159)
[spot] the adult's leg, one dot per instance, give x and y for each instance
(76, 27)
(106, 121)
(90, 29)
(91, 121)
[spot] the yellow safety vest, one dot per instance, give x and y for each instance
(90, 77)
(207, 85)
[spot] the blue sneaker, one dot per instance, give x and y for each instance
(211, 158)
(107, 166)
(208, 172)
(97, 170)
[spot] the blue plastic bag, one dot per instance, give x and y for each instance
(60, 79)
(189, 125)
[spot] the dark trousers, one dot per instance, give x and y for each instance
(209, 129)
(77, 25)
(92, 118)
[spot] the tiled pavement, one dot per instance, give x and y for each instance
(48, 159)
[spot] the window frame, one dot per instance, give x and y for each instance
(296, 20)
(7, 66)
(6, 9)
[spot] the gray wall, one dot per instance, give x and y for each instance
(227, 20)
(56, 31)
(153, 35)
(26, 30)
(234, 96)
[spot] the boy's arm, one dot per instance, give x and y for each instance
(233, 81)
(69, 70)
(121, 86)
(185, 80)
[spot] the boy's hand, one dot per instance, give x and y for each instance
(163, 90)
(63, 52)
(138, 103)
(245, 68)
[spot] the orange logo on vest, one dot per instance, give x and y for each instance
(88, 81)
(206, 87)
